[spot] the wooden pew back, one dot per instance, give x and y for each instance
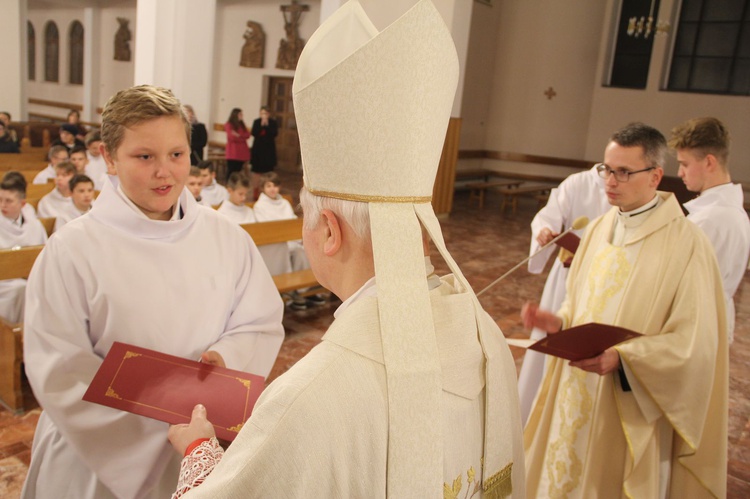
(17, 263)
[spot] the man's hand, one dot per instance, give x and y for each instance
(533, 316)
(213, 357)
(182, 435)
(545, 236)
(602, 364)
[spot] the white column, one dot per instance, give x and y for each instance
(13, 54)
(91, 46)
(174, 48)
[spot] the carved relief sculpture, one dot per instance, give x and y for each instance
(291, 47)
(254, 47)
(122, 40)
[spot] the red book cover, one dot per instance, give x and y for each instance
(569, 241)
(166, 388)
(584, 341)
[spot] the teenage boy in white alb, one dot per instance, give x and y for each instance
(96, 168)
(58, 202)
(702, 146)
(126, 272)
(81, 196)
(57, 154)
(234, 206)
(213, 192)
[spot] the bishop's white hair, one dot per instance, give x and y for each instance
(354, 213)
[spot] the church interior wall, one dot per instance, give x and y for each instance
(237, 86)
(113, 75)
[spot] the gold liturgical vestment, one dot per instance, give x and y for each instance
(586, 437)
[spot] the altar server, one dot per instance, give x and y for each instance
(702, 147)
(146, 266)
(18, 228)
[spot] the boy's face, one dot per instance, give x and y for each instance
(11, 204)
(194, 185)
(94, 148)
(66, 137)
(80, 160)
(83, 195)
(153, 163)
(58, 158)
(207, 177)
(271, 190)
(62, 181)
(238, 196)
(692, 170)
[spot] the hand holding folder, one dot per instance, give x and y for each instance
(167, 388)
(581, 342)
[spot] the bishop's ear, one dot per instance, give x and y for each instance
(333, 234)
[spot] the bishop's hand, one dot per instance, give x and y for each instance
(182, 435)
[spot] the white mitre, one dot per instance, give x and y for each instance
(372, 110)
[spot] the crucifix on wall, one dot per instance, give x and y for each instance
(291, 47)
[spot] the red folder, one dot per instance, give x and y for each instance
(166, 388)
(584, 341)
(569, 241)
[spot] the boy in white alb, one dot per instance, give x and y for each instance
(82, 196)
(126, 272)
(16, 229)
(96, 168)
(272, 206)
(57, 154)
(214, 192)
(79, 159)
(234, 207)
(195, 185)
(58, 202)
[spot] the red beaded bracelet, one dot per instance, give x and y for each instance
(195, 444)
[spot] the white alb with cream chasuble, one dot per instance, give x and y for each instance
(321, 429)
(30, 233)
(581, 194)
(180, 287)
(586, 437)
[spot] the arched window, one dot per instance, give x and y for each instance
(51, 52)
(31, 50)
(75, 41)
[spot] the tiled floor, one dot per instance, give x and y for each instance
(485, 244)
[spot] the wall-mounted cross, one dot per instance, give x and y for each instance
(550, 92)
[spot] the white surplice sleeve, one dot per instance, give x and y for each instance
(552, 218)
(253, 334)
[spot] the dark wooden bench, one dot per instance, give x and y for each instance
(511, 195)
(14, 264)
(477, 189)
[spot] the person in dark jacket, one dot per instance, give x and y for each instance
(263, 158)
(7, 144)
(198, 136)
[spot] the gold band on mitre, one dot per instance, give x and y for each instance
(363, 198)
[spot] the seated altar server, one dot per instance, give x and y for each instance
(412, 392)
(234, 206)
(58, 201)
(647, 417)
(213, 192)
(82, 198)
(126, 272)
(18, 228)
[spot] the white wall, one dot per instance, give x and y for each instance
(112, 75)
(237, 86)
(541, 44)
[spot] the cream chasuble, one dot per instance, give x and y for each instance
(586, 437)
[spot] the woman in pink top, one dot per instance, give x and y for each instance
(237, 152)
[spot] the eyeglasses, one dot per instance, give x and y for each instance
(620, 175)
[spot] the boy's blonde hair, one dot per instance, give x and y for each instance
(194, 171)
(135, 105)
(703, 136)
(67, 167)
